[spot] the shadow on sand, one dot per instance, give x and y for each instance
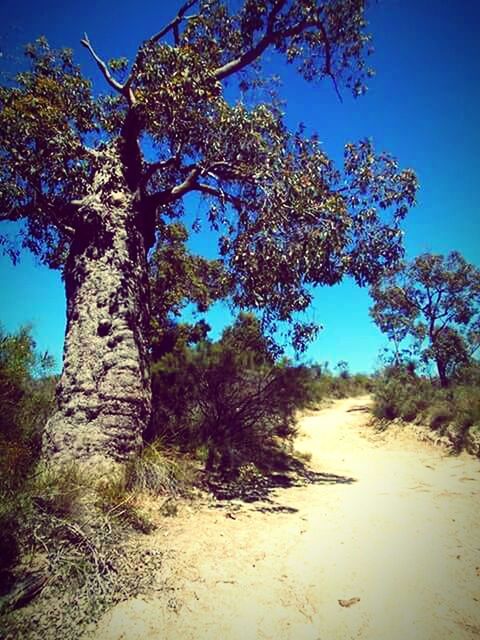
(259, 487)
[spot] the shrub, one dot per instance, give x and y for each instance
(440, 414)
(229, 399)
(455, 410)
(26, 401)
(389, 397)
(158, 470)
(59, 490)
(323, 384)
(10, 549)
(467, 406)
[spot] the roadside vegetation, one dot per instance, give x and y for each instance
(224, 411)
(430, 311)
(224, 416)
(452, 413)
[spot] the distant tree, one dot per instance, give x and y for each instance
(78, 171)
(435, 300)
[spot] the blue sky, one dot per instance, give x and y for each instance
(422, 106)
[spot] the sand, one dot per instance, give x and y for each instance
(389, 549)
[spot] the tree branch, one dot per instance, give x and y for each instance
(153, 167)
(189, 184)
(218, 193)
(167, 196)
(244, 60)
(173, 24)
(270, 37)
(12, 215)
(103, 67)
(328, 59)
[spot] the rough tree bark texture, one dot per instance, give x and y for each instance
(104, 396)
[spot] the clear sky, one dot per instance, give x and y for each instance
(422, 106)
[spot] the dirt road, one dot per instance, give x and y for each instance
(386, 547)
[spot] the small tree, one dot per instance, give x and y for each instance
(435, 301)
(77, 170)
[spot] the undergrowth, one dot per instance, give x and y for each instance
(453, 411)
(74, 544)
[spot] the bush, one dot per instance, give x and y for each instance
(26, 400)
(440, 414)
(230, 399)
(323, 384)
(401, 394)
(158, 470)
(10, 548)
(389, 397)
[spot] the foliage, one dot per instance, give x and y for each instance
(286, 218)
(401, 394)
(158, 470)
(178, 277)
(228, 398)
(435, 301)
(26, 399)
(324, 384)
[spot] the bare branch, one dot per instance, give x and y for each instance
(277, 7)
(328, 59)
(225, 171)
(189, 184)
(244, 60)
(103, 67)
(173, 24)
(167, 196)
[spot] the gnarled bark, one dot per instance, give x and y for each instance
(104, 397)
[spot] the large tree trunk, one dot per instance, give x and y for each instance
(104, 396)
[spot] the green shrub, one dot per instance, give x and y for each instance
(10, 548)
(26, 401)
(455, 410)
(158, 470)
(323, 384)
(59, 490)
(390, 394)
(440, 414)
(230, 399)
(467, 406)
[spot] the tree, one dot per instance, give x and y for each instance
(435, 300)
(76, 169)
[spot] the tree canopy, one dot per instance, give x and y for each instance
(434, 300)
(286, 217)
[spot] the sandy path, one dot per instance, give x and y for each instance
(404, 538)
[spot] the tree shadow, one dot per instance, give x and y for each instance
(258, 487)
